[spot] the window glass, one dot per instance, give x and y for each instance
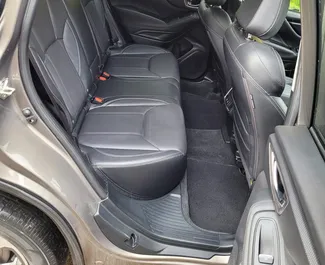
(294, 5)
(2, 5)
(319, 112)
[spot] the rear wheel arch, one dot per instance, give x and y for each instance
(59, 222)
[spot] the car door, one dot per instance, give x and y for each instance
(284, 219)
(172, 24)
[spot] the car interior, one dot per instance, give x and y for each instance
(171, 104)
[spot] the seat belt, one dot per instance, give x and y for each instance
(112, 40)
(113, 31)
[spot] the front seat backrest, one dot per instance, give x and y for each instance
(258, 78)
(216, 21)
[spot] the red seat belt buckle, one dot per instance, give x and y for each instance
(107, 75)
(103, 76)
(98, 100)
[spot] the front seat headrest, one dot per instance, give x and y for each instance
(262, 18)
(215, 2)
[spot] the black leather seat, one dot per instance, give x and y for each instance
(135, 137)
(217, 21)
(132, 61)
(258, 77)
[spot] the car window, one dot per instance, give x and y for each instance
(2, 5)
(294, 5)
(319, 112)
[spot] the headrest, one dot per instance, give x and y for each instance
(262, 18)
(216, 2)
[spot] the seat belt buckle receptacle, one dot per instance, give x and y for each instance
(97, 100)
(104, 76)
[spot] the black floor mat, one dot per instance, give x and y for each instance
(203, 113)
(209, 146)
(217, 195)
(217, 191)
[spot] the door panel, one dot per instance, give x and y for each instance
(170, 24)
(287, 202)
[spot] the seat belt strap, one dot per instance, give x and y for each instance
(114, 33)
(112, 40)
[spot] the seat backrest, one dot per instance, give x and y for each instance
(258, 78)
(64, 54)
(95, 13)
(216, 21)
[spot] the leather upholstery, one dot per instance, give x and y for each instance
(117, 88)
(136, 138)
(216, 22)
(216, 2)
(258, 77)
(151, 62)
(262, 18)
(139, 147)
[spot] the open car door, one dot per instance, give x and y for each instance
(284, 222)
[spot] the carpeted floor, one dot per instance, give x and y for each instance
(203, 113)
(217, 191)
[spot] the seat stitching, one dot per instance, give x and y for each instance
(60, 79)
(241, 66)
(110, 133)
(50, 76)
(116, 100)
(216, 33)
(235, 34)
(267, 70)
(65, 50)
(114, 67)
(78, 50)
(161, 51)
(256, 155)
(149, 152)
(241, 136)
(115, 113)
(275, 19)
(94, 28)
(280, 63)
(241, 120)
(248, 99)
(148, 124)
(156, 160)
(149, 69)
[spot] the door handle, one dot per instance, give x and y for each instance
(277, 186)
(267, 243)
(193, 4)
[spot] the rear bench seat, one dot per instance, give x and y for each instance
(135, 137)
(133, 60)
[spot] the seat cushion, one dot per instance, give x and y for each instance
(157, 90)
(141, 149)
(143, 61)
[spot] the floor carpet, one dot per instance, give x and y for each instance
(203, 113)
(217, 191)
